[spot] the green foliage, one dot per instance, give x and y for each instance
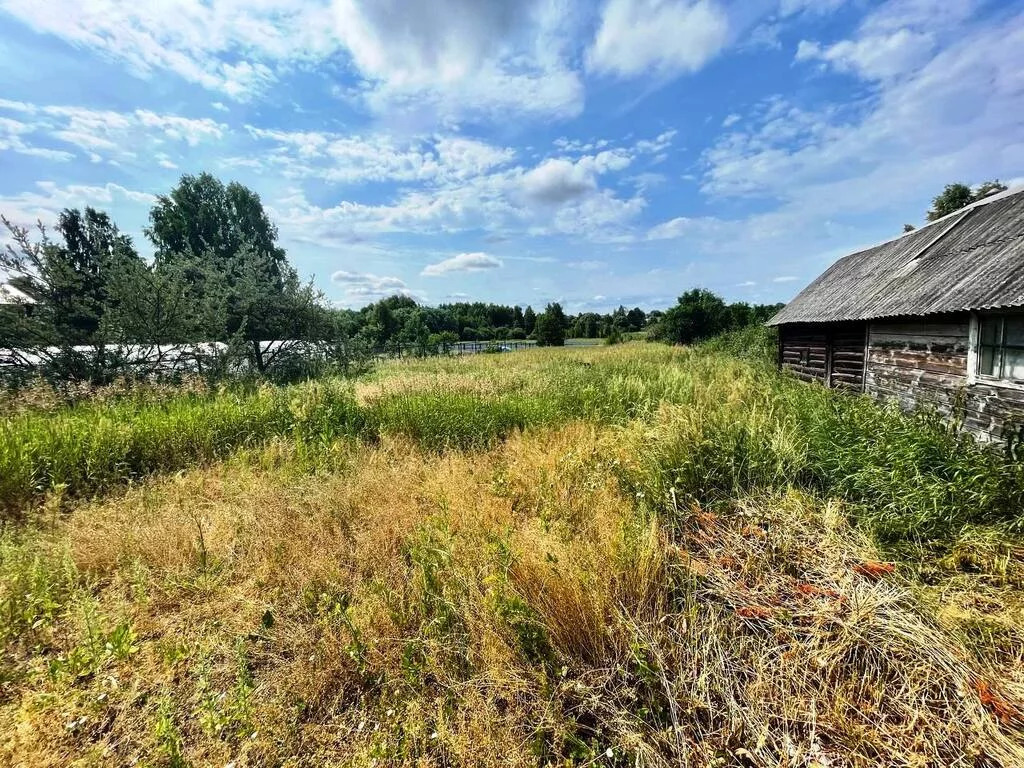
(756, 343)
(93, 447)
(700, 314)
(35, 587)
(202, 215)
(956, 196)
(551, 327)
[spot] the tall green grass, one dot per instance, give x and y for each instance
(90, 448)
(732, 425)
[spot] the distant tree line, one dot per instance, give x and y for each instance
(98, 310)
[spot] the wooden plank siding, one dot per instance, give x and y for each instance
(918, 362)
(831, 354)
(923, 362)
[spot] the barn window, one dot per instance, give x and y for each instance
(1001, 347)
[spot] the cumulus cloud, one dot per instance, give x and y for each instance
(557, 180)
(365, 286)
(463, 262)
(661, 37)
(894, 39)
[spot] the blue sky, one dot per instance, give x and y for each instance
(521, 151)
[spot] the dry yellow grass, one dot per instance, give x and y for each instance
(519, 606)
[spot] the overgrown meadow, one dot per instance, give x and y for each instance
(628, 555)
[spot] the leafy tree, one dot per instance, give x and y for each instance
(203, 216)
(987, 188)
(264, 312)
(551, 326)
(636, 319)
(444, 341)
(908, 228)
(956, 196)
(517, 317)
(70, 280)
(699, 314)
(529, 320)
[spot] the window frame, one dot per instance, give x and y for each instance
(974, 375)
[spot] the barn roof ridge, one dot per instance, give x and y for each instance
(970, 259)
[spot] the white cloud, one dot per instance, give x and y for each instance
(957, 116)
(746, 284)
(366, 286)
(661, 37)
(463, 262)
(684, 226)
(448, 55)
(785, 279)
(196, 41)
(46, 199)
(731, 120)
(104, 134)
(820, 7)
(379, 157)
(557, 180)
(873, 57)
(894, 39)
(588, 264)
(658, 144)
(13, 135)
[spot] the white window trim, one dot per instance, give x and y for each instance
(973, 377)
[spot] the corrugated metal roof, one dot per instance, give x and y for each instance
(971, 259)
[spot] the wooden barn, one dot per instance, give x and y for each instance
(935, 316)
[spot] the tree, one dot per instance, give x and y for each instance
(550, 326)
(987, 188)
(699, 314)
(636, 318)
(517, 317)
(956, 196)
(70, 280)
(202, 216)
(908, 228)
(264, 312)
(529, 320)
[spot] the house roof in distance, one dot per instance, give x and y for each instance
(971, 259)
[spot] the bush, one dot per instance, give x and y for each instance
(757, 343)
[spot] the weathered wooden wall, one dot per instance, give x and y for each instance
(803, 349)
(832, 353)
(924, 361)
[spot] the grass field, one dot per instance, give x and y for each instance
(617, 556)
